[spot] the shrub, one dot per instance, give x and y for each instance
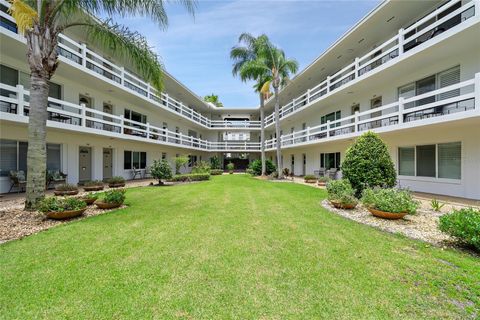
(390, 200)
(286, 172)
(114, 196)
(160, 170)
(91, 195)
(191, 177)
(66, 187)
(463, 224)
(341, 191)
(93, 183)
(201, 167)
(249, 171)
(256, 166)
(310, 177)
(116, 180)
(230, 167)
(273, 175)
(180, 161)
(216, 172)
(215, 163)
(436, 205)
(368, 164)
(52, 204)
(324, 179)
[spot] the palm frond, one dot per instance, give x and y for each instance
(24, 15)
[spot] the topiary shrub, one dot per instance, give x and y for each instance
(368, 164)
(464, 225)
(256, 167)
(161, 170)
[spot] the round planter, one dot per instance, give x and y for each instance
(65, 193)
(339, 205)
(387, 215)
(93, 188)
(322, 184)
(88, 201)
(116, 185)
(104, 205)
(65, 214)
(310, 181)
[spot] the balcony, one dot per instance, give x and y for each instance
(446, 17)
(15, 106)
(454, 102)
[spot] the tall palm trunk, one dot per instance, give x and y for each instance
(262, 133)
(277, 131)
(42, 59)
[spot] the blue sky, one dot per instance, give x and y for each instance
(196, 50)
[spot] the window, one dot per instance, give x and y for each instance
(134, 159)
(13, 156)
(331, 116)
(330, 160)
(135, 116)
(164, 156)
(441, 160)
(192, 160)
(8, 76)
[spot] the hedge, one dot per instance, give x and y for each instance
(216, 172)
(191, 177)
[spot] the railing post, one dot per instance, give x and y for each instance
(308, 96)
(148, 130)
(328, 84)
(122, 75)
(307, 137)
(83, 114)
(20, 99)
(357, 117)
(84, 54)
(122, 124)
(477, 91)
(357, 66)
(400, 41)
(328, 128)
(400, 109)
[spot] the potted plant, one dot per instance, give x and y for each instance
(111, 199)
(230, 167)
(116, 182)
(341, 194)
(389, 203)
(62, 208)
(286, 172)
(310, 178)
(66, 189)
(89, 198)
(94, 185)
(322, 181)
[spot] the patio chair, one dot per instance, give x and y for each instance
(18, 180)
(332, 173)
(147, 173)
(320, 172)
(55, 177)
(136, 172)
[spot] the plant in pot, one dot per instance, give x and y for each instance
(62, 208)
(89, 198)
(286, 172)
(65, 189)
(111, 199)
(94, 185)
(322, 181)
(341, 194)
(389, 203)
(116, 182)
(161, 170)
(310, 178)
(230, 167)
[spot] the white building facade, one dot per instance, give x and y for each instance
(410, 71)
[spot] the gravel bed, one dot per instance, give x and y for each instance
(421, 226)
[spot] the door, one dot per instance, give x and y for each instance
(376, 103)
(85, 164)
(292, 164)
(107, 108)
(304, 164)
(107, 163)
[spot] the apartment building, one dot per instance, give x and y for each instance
(409, 70)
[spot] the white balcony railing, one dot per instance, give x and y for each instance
(458, 100)
(82, 57)
(15, 106)
(392, 49)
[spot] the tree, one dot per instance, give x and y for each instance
(180, 161)
(215, 163)
(213, 98)
(161, 169)
(250, 49)
(368, 164)
(41, 22)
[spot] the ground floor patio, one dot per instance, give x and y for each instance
(231, 248)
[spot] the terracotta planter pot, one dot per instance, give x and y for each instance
(116, 185)
(65, 193)
(88, 201)
(339, 205)
(322, 184)
(104, 205)
(65, 214)
(387, 215)
(310, 181)
(93, 188)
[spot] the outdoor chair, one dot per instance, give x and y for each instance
(55, 177)
(17, 180)
(320, 172)
(332, 173)
(136, 172)
(147, 173)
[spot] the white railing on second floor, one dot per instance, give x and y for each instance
(406, 39)
(437, 105)
(15, 106)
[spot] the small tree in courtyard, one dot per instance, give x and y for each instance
(161, 170)
(180, 161)
(368, 164)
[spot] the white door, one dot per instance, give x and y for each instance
(107, 163)
(85, 164)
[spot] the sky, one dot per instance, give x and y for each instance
(196, 50)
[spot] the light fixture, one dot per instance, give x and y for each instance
(361, 40)
(393, 17)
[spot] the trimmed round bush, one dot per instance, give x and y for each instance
(368, 164)
(464, 225)
(256, 166)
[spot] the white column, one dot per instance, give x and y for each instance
(83, 114)
(84, 54)
(328, 128)
(357, 117)
(20, 99)
(400, 109)
(400, 41)
(122, 124)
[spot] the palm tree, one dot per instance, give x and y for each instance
(249, 49)
(41, 21)
(213, 98)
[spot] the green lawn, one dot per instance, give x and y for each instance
(231, 248)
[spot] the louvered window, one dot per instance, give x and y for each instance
(449, 160)
(448, 78)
